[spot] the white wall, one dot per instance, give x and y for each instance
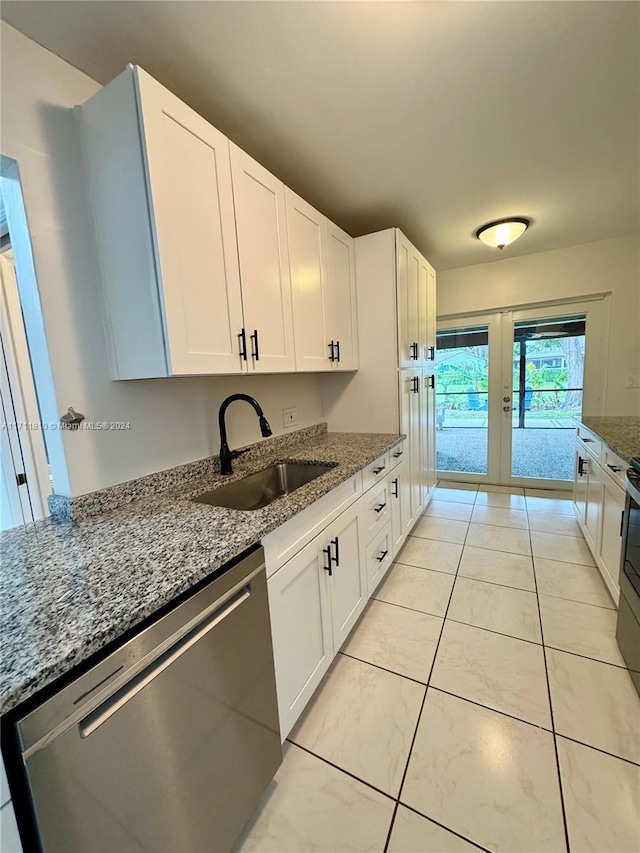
(173, 421)
(605, 266)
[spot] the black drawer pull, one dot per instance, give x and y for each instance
(379, 470)
(380, 559)
(331, 346)
(581, 470)
(396, 492)
(379, 508)
(415, 384)
(242, 337)
(588, 439)
(614, 468)
(432, 353)
(336, 544)
(432, 381)
(255, 352)
(621, 522)
(414, 351)
(328, 568)
(398, 454)
(338, 351)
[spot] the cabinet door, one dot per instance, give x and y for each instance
(593, 509)
(611, 538)
(407, 283)
(423, 311)
(347, 584)
(427, 434)
(307, 256)
(378, 558)
(264, 265)
(431, 317)
(410, 392)
(301, 631)
(398, 494)
(191, 200)
(341, 297)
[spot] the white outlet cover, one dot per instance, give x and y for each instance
(290, 417)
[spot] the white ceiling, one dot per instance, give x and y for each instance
(434, 116)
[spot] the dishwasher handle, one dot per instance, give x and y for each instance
(124, 694)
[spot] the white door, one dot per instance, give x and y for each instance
(264, 265)
(347, 583)
(510, 390)
(307, 256)
(189, 182)
(407, 283)
(341, 298)
(301, 630)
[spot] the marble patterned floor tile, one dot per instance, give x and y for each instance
(499, 567)
(442, 529)
(580, 628)
(504, 500)
(453, 484)
(566, 549)
(496, 608)
(499, 672)
(413, 833)
(418, 589)
(499, 516)
(550, 494)
(507, 539)
(601, 800)
(488, 777)
(501, 490)
(362, 720)
(571, 581)
(551, 522)
(450, 509)
(461, 496)
(430, 554)
(311, 806)
(595, 703)
(562, 506)
(403, 641)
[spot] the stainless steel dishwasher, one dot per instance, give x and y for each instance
(170, 741)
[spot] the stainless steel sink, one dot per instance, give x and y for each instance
(262, 488)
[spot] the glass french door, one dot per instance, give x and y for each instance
(509, 393)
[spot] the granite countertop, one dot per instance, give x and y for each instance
(69, 588)
(620, 433)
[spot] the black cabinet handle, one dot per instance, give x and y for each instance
(414, 351)
(379, 470)
(588, 439)
(336, 544)
(415, 384)
(255, 352)
(380, 559)
(432, 381)
(432, 353)
(621, 523)
(398, 454)
(242, 337)
(580, 466)
(379, 508)
(331, 346)
(395, 492)
(614, 468)
(338, 351)
(328, 568)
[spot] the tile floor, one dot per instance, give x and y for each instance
(480, 703)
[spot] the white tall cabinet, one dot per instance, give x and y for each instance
(394, 389)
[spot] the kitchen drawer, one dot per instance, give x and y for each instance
(378, 557)
(397, 454)
(615, 466)
(592, 443)
(284, 542)
(376, 509)
(375, 472)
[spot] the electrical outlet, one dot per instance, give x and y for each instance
(632, 381)
(290, 417)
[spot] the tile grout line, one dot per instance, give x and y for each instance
(424, 699)
(553, 725)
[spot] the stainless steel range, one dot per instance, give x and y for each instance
(628, 630)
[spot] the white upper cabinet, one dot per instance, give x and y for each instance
(193, 241)
(161, 188)
(340, 294)
(264, 265)
(409, 309)
(322, 258)
(307, 256)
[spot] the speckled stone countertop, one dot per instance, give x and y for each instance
(621, 434)
(69, 588)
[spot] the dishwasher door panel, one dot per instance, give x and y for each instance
(181, 762)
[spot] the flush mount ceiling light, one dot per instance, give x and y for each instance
(502, 232)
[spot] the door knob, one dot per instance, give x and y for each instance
(508, 409)
(506, 399)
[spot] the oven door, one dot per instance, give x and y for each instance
(628, 628)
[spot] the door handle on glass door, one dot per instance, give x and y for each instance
(508, 409)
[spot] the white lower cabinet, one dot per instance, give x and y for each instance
(322, 567)
(378, 557)
(599, 502)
